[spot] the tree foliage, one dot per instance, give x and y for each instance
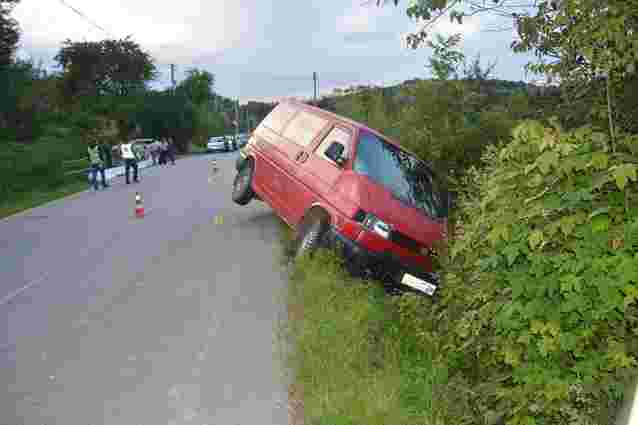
(198, 86)
(579, 41)
(9, 32)
(582, 37)
(537, 319)
(446, 57)
(30, 100)
(107, 67)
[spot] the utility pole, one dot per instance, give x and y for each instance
(237, 121)
(314, 78)
(173, 77)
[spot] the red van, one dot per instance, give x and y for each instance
(340, 184)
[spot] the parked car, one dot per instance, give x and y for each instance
(234, 141)
(218, 143)
(340, 184)
(242, 139)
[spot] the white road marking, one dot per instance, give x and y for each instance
(12, 295)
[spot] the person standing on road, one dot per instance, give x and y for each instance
(163, 151)
(154, 152)
(130, 161)
(107, 157)
(171, 151)
(97, 159)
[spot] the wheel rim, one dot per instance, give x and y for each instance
(242, 181)
(305, 245)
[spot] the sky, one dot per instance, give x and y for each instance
(263, 50)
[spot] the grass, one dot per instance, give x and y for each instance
(197, 149)
(352, 362)
(27, 200)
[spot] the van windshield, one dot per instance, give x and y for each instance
(409, 180)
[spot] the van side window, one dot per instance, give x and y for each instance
(337, 134)
(278, 117)
(304, 127)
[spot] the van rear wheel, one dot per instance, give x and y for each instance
(242, 186)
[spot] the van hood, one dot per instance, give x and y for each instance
(404, 218)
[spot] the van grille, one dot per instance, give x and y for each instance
(405, 241)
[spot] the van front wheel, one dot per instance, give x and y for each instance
(310, 238)
(242, 186)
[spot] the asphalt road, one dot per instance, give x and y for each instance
(169, 319)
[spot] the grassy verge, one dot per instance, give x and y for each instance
(21, 201)
(354, 359)
(197, 149)
(27, 200)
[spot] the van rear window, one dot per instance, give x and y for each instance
(278, 117)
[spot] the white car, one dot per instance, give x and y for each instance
(221, 143)
(243, 139)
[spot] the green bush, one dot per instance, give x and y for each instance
(538, 316)
(40, 165)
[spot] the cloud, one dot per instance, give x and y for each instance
(257, 48)
(170, 33)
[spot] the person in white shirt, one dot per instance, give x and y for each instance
(130, 161)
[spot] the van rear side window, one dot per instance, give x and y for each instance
(278, 117)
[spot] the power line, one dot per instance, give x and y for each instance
(86, 18)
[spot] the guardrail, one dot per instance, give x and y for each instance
(109, 173)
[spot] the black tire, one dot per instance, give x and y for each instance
(242, 186)
(310, 238)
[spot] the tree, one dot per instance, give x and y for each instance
(446, 57)
(166, 114)
(474, 71)
(198, 86)
(107, 67)
(9, 32)
(29, 99)
(580, 41)
(576, 34)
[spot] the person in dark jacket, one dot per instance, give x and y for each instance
(163, 151)
(107, 156)
(171, 151)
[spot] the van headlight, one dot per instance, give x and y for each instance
(381, 228)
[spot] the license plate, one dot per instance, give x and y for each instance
(418, 284)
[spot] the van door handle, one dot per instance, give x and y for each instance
(302, 156)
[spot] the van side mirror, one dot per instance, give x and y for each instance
(335, 153)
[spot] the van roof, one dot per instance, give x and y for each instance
(352, 122)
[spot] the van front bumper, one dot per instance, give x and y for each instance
(384, 266)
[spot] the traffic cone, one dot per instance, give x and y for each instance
(139, 205)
